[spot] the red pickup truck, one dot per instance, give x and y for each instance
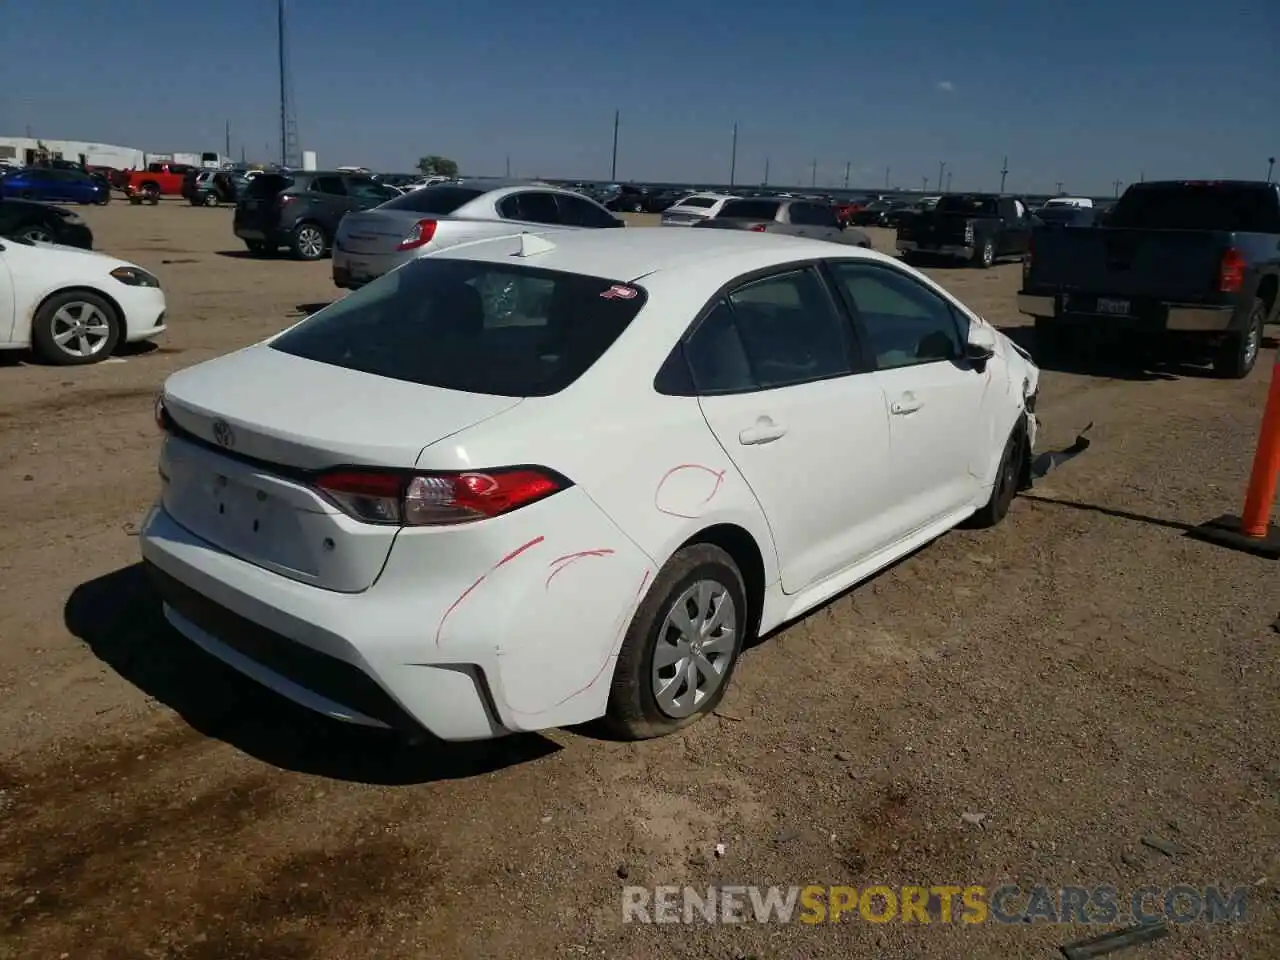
(158, 180)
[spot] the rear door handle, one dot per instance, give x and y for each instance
(907, 403)
(765, 431)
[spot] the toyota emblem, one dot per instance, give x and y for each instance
(222, 434)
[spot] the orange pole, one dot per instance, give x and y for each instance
(1261, 495)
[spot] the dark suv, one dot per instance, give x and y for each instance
(301, 209)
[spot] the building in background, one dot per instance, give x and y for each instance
(22, 151)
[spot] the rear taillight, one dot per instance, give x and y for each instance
(284, 200)
(437, 499)
(1231, 271)
(419, 236)
(758, 227)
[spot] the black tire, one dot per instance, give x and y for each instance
(1008, 479)
(43, 336)
(103, 200)
(211, 199)
(633, 712)
(301, 245)
(985, 255)
(35, 233)
(150, 190)
(1237, 354)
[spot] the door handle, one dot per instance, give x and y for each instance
(908, 403)
(765, 431)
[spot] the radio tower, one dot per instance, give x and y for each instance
(289, 156)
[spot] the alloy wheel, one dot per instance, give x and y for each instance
(694, 648)
(80, 329)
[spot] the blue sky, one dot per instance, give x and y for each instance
(1085, 92)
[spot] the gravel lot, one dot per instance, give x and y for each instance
(1084, 675)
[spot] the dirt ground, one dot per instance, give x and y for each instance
(1083, 675)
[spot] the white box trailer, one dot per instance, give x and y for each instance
(21, 151)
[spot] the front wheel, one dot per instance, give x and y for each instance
(74, 328)
(1007, 480)
(1238, 353)
(35, 234)
(307, 242)
(682, 646)
(211, 199)
(986, 254)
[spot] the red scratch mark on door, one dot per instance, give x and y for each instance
(626, 620)
(569, 559)
(666, 477)
(481, 579)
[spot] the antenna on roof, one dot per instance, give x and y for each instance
(531, 245)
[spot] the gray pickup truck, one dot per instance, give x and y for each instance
(1179, 264)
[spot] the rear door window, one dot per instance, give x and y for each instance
(749, 210)
(531, 206)
(812, 215)
(479, 327)
(579, 212)
(333, 186)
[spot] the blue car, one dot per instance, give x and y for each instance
(40, 183)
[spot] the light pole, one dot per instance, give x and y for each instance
(924, 184)
(1271, 162)
(813, 177)
(1004, 172)
(886, 178)
(948, 181)
(942, 165)
(847, 164)
(733, 156)
(613, 167)
(766, 172)
(1059, 185)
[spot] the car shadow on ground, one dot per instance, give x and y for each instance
(1110, 512)
(310, 308)
(1100, 360)
(118, 617)
(248, 255)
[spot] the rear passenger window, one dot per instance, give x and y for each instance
(330, 185)
(775, 332)
(531, 207)
(578, 212)
(906, 323)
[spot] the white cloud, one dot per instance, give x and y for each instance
(946, 86)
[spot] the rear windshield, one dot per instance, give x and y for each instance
(970, 205)
(749, 210)
(441, 200)
(1176, 206)
(267, 185)
(703, 202)
(491, 328)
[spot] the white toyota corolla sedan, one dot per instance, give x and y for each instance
(536, 480)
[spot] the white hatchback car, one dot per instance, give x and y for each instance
(74, 306)
(532, 481)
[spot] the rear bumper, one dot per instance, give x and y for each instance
(955, 251)
(1181, 318)
(354, 270)
(471, 657)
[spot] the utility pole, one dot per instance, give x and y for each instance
(1058, 183)
(886, 178)
(242, 159)
(948, 181)
(28, 131)
(766, 172)
(847, 164)
(1115, 184)
(924, 184)
(228, 153)
(613, 168)
(813, 179)
(1142, 176)
(942, 165)
(1271, 162)
(733, 156)
(508, 166)
(284, 88)
(1004, 171)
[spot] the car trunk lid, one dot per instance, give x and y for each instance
(377, 231)
(250, 432)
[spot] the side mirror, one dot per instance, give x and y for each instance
(980, 344)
